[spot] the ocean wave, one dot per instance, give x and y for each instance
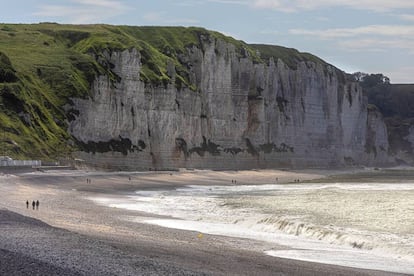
(381, 243)
(293, 215)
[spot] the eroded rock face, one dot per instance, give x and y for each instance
(410, 144)
(243, 115)
(401, 139)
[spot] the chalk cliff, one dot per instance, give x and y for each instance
(238, 113)
(395, 102)
(126, 97)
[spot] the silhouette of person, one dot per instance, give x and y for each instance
(33, 204)
(37, 204)
(27, 204)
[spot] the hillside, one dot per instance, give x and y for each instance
(43, 66)
(166, 97)
(396, 103)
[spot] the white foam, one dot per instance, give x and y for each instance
(297, 216)
(222, 190)
(346, 258)
(302, 249)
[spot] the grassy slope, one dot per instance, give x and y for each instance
(290, 56)
(53, 63)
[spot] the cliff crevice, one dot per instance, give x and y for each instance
(126, 97)
(242, 114)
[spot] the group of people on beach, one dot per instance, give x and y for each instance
(35, 204)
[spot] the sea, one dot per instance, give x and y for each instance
(366, 223)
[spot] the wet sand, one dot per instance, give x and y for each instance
(71, 235)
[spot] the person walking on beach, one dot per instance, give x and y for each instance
(33, 204)
(27, 204)
(37, 204)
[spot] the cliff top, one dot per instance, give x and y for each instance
(29, 45)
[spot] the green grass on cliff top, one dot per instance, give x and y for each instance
(53, 63)
(290, 56)
(66, 48)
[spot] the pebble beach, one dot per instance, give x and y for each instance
(71, 235)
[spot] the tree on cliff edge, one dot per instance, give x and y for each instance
(371, 80)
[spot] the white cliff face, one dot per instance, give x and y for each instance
(243, 115)
(376, 145)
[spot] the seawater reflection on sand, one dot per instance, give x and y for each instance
(364, 225)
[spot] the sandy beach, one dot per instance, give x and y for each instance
(71, 235)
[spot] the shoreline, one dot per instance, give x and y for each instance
(63, 206)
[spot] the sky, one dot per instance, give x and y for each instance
(372, 36)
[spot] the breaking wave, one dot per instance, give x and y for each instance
(329, 218)
(381, 243)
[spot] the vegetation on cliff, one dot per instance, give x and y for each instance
(395, 102)
(290, 57)
(43, 66)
